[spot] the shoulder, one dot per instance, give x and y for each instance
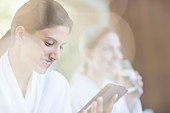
(82, 89)
(56, 78)
(55, 89)
(55, 75)
(55, 84)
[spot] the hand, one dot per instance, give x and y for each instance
(97, 106)
(132, 98)
(139, 85)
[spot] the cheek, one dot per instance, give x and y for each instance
(35, 56)
(45, 50)
(101, 58)
(100, 61)
(39, 51)
(36, 53)
(105, 57)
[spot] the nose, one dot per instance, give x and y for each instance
(55, 54)
(118, 55)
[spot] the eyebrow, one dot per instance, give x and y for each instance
(55, 40)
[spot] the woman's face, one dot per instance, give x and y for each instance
(107, 55)
(41, 49)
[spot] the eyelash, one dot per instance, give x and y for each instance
(61, 47)
(48, 44)
(106, 48)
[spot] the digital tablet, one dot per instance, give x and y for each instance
(107, 93)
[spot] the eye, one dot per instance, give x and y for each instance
(61, 47)
(106, 48)
(49, 43)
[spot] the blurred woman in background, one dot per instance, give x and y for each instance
(101, 49)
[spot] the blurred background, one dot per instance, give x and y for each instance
(143, 26)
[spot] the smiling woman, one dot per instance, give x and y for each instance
(38, 32)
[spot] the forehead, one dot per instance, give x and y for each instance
(110, 38)
(57, 32)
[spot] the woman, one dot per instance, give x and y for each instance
(102, 54)
(39, 30)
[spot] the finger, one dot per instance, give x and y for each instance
(84, 111)
(139, 77)
(137, 73)
(140, 92)
(139, 80)
(100, 105)
(140, 84)
(110, 106)
(93, 108)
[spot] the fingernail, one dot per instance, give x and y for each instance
(100, 99)
(94, 103)
(116, 95)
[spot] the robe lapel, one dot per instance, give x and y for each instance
(9, 88)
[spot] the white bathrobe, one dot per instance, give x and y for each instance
(46, 93)
(83, 90)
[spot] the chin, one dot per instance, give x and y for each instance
(112, 72)
(41, 71)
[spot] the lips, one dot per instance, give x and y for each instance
(115, 65)
(48, 64)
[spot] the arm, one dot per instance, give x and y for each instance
(133, 99)
(5, 42)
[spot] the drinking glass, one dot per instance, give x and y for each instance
(128, 75)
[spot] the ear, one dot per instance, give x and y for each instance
(19, 34)
(88, 54)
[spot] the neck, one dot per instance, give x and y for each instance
(96, 76)
(20, 70)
